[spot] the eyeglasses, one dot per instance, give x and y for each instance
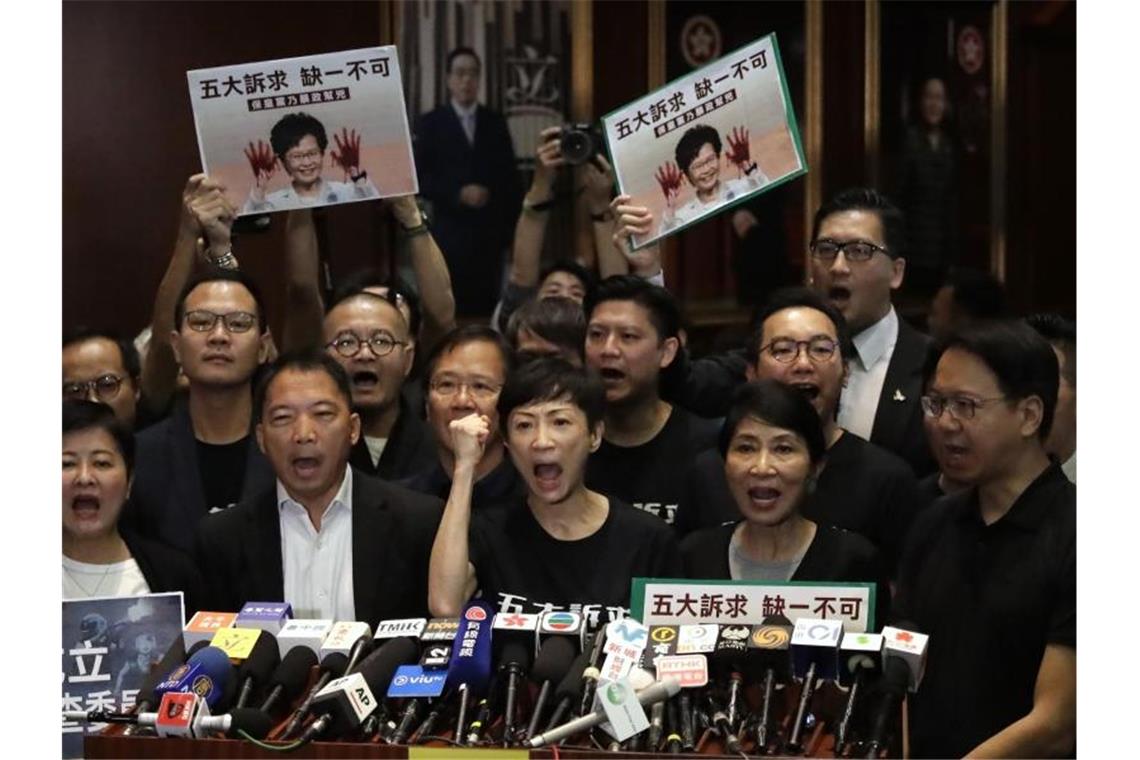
(704, 163)
(106, 388)
(960, 407)
(449, 386)
(348, 345)
(235, 321)
(853, 250)
(786, 350)
(307, 155)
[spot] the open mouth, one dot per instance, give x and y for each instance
(810, 390)
(839, 293)
(85, 506)
(610, 375)
(365, 380)
(306, 466)
(763, 497)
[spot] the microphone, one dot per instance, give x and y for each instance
(551, 665)
(207, 673)
(688, 733)
(258, 666)
(205, 625)
(673, 739)
(289, 677)
(515, 661)
(332, 666)
(729, 657)
(659, 691)
(301, 632)
(591, 673)
(569, 690)
(656, 725)
(253, 722)
(470, 668)
(904, 660)
(353, 640)
(815, 655)
(176, 655)
(343, 704)
(770, 644)
(860, 657)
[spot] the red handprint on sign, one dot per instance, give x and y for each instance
(739, 151)
(669, 177)
(262, 161)
(347, 152)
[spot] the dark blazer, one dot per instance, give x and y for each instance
(472, 240)
(898, 423)
(410, 449)
(239, 551)
(166, 569)
(166, 499)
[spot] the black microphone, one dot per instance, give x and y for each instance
(769, 645)
(343, 704)
(258, 666)
(361, 648)
(656, 725)
(904, 658)
(815, 652)
(289, 677)
(673, 739)
(591, 673)
(553, 662)
(515, 661)
(332, 666)
(175, 656)
(729, 657)
(860, 657)
(688, 734)
(569, 690)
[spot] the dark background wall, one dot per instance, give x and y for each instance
(129, 142)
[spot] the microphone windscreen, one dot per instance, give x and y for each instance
(293, 672)
(175, 656)
(515, 653)
(228, 695)
(896, 676)
(571, 683)
(554, 659)
(263, 658)
(198, 646)
(379, 667)
(253, 722)
(334, 663)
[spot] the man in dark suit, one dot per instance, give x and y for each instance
(203, 458)
(857, 246)
(331, 541)
(466, 167)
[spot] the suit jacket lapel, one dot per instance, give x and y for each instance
(370, 529)
(187, 485)
(901, 387)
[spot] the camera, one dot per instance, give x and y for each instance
(580, 143)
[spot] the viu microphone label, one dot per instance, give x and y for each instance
(414, 681)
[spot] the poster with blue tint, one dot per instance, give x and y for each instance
(109, 645)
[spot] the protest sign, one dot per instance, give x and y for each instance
(302, 132)
(708, 140)
(109, 646)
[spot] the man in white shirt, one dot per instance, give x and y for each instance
(857, 246)
(299, 142)
(332, 542)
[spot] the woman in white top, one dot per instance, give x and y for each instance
(99, 560)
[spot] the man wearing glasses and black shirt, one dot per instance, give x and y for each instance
(99, 366)
(463, 376)
(369, 337)
(203, 458)
(802, 341)
(989, 572)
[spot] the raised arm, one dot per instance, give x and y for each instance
(598, 185)
(304, 308)
(632, 220)
(204, 224)
(1050, 728)
(451, 580)
(530, 230)
(433, 280)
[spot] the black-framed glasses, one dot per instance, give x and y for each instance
(786, 350)
(348, 345)
(449, 386)
(960, 407)
(853, 250)
(201, 320)
(106, 387)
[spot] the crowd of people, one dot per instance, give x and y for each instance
(378, 461)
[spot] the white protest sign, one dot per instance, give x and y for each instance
(707, 140)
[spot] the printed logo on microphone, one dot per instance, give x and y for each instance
(515, 621)
(734, 632)
(202, 686)
(441, 629)
(615, 693)
(561, 622)
(696, 638)
(771, 637)
(475, 613)
(663, 634)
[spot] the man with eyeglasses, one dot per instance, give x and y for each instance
(463, 376)
(299, 142)
(369, 337)
(991, 570)
(801, 340)
(99, 366)
(856, 263)
(202, 458)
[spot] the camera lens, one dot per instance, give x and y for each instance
(576, 146)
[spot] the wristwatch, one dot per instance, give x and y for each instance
(226, 261)
(529, 205)
(358, 177)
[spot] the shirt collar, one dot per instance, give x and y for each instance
(1030, 509)
(343, 495)
(465, 110)
(877, 340)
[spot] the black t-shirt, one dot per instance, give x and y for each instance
(502, 485)
(863, 488)
(991, 597)
(222, 469)
(522, 568)
(651, 476)
(833, 555)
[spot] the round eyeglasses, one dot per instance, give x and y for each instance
(348, 345)
(786, 350)
(105, 387)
